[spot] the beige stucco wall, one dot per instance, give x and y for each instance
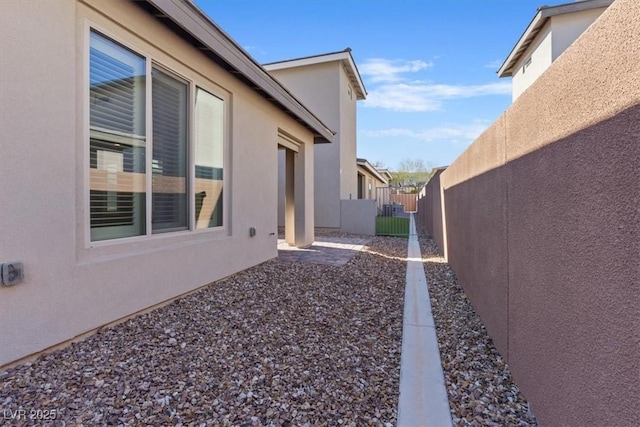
(358, 217)
(281, 186)
(540, 52)
(71, 285)
(304, 195)
(567, 28)
(369, 179)
(347, 138)
(541, 225)
(558, 33)
(315, 86)
(323, 88)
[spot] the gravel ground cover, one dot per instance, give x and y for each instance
(481, 391)
(279, 344)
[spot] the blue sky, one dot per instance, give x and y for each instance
(429, 66)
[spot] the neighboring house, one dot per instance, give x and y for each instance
(330, 85)
(132, 138)
(386, 174)
(552, 30)
(369, 180)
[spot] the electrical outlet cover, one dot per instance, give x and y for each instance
(11, 273)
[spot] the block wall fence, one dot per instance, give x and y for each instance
(540, 220)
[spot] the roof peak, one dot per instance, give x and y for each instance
(343, 56)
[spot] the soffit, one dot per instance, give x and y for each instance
(539, 20)
(193, 25)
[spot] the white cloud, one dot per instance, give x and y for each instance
(420, 96)
(453, 133)
(387, 70)
(494, 65)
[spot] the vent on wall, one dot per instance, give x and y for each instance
(526, 65)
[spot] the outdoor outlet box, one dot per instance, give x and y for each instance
(252, 231)
(11, 273)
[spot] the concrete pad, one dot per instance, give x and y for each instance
(423, 397)
(335, 251)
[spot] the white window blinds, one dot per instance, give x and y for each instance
(142, 119)
(117, 143)
(169, 101)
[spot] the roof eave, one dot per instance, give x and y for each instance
(219, 46)
(538, 21)
(343, 56)
(372, 169)
(521, 46)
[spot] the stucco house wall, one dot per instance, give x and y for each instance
(324, 84)
(552, 30)
(542, 228)
(71, 284)
(347, 138)
(567, 28)
(309, 84)
(370, 183)
(539, 56)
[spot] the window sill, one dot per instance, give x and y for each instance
(107, 250)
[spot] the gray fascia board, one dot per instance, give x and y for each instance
(362, 91)
(318, 58)
(523, 42)
(576, 6)
(372, 169)
(192, 20)
(344, 56)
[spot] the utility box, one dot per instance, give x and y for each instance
(11, 273)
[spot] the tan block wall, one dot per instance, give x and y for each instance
(542, 218)
(429, 211)
(358, 216)
(475, 202)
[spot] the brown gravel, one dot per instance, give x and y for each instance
(481, 391)
(279, 344)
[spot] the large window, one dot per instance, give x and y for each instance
(117, 140)
(208, 159)
(169, 206)
(123, 135)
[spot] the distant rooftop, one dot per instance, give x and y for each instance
(373, 170)
(344, 56)
(538, 21)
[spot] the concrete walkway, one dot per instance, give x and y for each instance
(335, 251)
(423, 395)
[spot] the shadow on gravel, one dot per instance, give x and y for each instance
(279, 344)
(479, 384)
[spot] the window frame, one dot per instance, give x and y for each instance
(194, 79)
(189, 107)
